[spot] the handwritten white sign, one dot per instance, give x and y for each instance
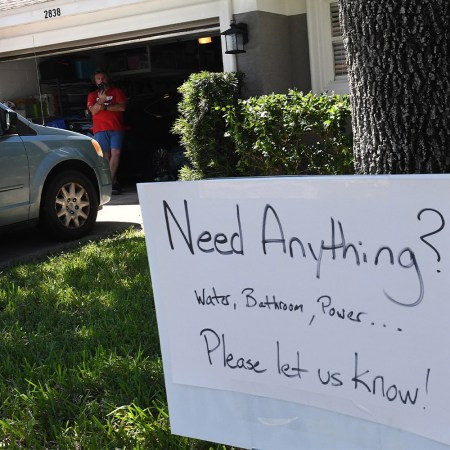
(329, 292)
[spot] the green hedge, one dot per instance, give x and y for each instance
(292, 134)
(202, 127)
(277, 134)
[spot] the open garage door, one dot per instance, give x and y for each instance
(168, 31)
(149, 69)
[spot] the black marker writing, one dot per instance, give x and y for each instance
(422, 238)
(289, 370)
(206, 242)
(331, 378)
(341, 313)
(214, 343)
(213, 299)
(269, 303)
(377, 385)
(339, 249)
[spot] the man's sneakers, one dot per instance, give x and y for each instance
(116, 189)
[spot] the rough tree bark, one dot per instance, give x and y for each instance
(398, 55)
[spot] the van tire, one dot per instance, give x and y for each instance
(69, 206)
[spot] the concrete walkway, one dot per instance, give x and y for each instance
(122, 212)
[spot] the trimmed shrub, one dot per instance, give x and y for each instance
(292, 134)
(277, 134)
(202, 126)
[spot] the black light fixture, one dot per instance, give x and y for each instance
(235, 38)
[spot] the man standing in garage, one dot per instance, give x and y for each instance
(107, 105)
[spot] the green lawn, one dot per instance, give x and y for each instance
(80, 362)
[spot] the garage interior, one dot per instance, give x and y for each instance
(149, 73)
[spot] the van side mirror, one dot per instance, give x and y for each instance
(8, 121)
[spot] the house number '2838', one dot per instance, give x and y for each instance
(49, 13)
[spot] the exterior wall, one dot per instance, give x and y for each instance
(298, 36)
(18, 79)
(276, 57)
(84, 22)
(320, 50)
(284, 7)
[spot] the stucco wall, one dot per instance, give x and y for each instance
(276, 57)
(298, 37)
(18, 79)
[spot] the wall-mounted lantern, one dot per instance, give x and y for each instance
(235, 38)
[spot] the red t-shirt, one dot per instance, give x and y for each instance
(107, 120)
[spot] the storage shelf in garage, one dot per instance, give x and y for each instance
(71, 97)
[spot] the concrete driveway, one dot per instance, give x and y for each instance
(122, 212)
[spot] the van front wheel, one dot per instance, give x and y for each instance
(69, 206)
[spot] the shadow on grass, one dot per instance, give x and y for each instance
(81, 364)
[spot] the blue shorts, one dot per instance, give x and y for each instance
(109, 140)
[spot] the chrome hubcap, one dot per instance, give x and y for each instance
(72, 205)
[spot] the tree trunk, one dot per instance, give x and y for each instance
(398, 55)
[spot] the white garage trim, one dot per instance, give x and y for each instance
(161, 34)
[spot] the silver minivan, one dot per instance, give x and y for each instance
(48, 176)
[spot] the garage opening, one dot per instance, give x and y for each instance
(149, 73)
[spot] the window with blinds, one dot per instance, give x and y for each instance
(339, 58)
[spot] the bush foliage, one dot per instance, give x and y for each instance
(291, 134)
(277, 134)
(202, 127)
